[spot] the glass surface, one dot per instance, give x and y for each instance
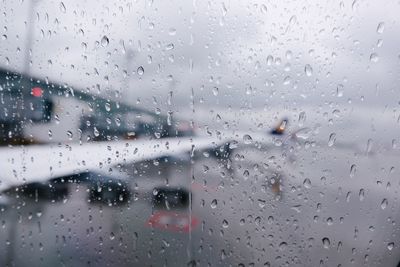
(199, 133)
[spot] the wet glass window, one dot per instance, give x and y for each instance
(199, 133)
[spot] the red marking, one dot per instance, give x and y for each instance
(172, 221)
(37, 91)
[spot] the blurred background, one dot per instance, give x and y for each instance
(199, 133)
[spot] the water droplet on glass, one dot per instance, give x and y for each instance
(384, 203)
(296, 208)
(155, 191)
(69, 134)
(104, 41)
(214, 203)
(390, 246)
(374, 57)
(112, 236)
(96, 132)
(332, 139)
(169, 118)
(261, 203)
(308, 70)
(169, 47)
(339, 90)
(282, 246)
(172, 31)
(107, 106)
(140, 70)
(215, 91)
(354, 5)
(63, 9)
(287, 80)
(247, 139)
(263, 9)
(246, 174)
(353, 170)
(270, 60)
(326, 242)
(302, 118)
(369, 146)
(380, 28)
(361, 194)
(249, 90)
(225, 224)
(307, 183)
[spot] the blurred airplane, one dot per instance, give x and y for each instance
(38, 111)
(39, 163)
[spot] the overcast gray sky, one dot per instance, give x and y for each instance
(249, 55)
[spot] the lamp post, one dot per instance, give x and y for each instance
(29, 37)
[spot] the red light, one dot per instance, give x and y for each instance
(37, 91)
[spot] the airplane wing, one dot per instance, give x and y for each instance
(39, 163)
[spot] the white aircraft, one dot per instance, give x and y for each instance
(285, 142)
(39, 163)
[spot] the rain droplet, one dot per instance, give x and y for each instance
(249, 90)
(172, 31)
(348, 196)
(104, 41)
(263, 9)
(374, 57)
(302, 118)
(332, 139)
(69, 134)
(270, 60)
(155, 191)
(214, 204)
(296, 208)
(107, 106)
(140, 70)
(261, 203)
(390, 246)
(282, 246)
(369, 146)
(353, 170)
(326, 242)
(354, 5)
(96, 132)
(339, 90)
(169, 47)
(308, 70)
(361, 194)
(246, 174)
(215, 91)
(384, 203)
(225, 224)
(307, 183)
(247, 139)
(287, 80)
(63, 9)
(169, 118)
(380, 28)
(112, 236)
